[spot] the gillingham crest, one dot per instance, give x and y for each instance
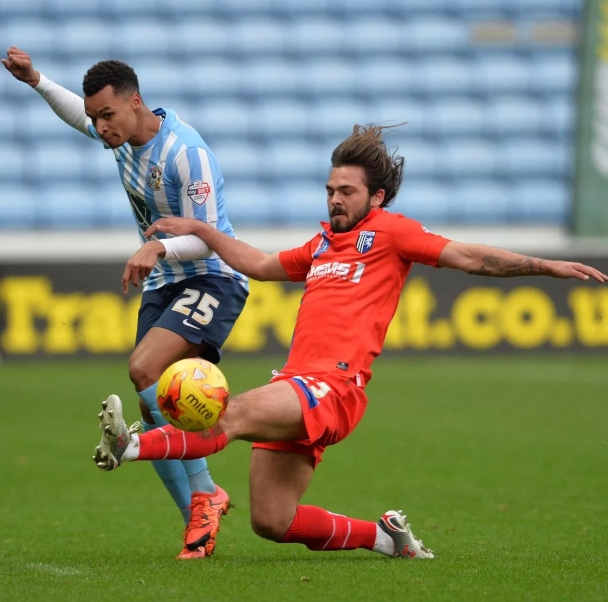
(365, 241)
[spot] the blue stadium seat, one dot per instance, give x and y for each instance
(372, 35)
(132, 8)
(215, 77)
(480, 8)
(251, 203)
(387, 76)
(528, 157)
(281, 118)
(414, 114)
(564, 157)
(336, 117)
(293, 159)
(423, 200)
(160, 78)
(325, 77)
(228, 117)
(51, 162)
(301, 202)
(27, 8)
(69, 8)
(456, 117)
(559, 113)
(554, 73)
(99, 163)
(540, 201)
(237, 8)
(267, 77)
(199, 38)
(421, 158)
(14, 163)
(502, 73)
(416, 7)
(32, 34)
(443, 76)
(464, 158)
(314, 36)
(258, 36)
(357, 8)
(239, 160)
(297, 7)
(514, 115)
(68, 206)
(85, 36)
(38, 120)
(479, 202)
(19, 206)
(10, 122)
(112, 207)
(435, 34)
(145, 37)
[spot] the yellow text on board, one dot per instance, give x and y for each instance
(38, 319)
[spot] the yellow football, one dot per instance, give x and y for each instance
(192, 394)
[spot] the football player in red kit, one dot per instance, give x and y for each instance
(354, 272)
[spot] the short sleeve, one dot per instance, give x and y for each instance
(415, 243)
(296, 262)
(195, 182)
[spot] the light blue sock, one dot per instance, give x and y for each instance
(197, 473)
(174, 477)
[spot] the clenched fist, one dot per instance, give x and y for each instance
(20, 65)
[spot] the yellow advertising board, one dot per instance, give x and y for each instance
(75, 309)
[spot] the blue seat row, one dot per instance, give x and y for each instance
(480, 201)
(286, 159)
(179, 8)
(503, 116)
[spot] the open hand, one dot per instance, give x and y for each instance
(19, 64)
(568, 269)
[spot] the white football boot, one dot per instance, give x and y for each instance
(394, 524)
(116, 435)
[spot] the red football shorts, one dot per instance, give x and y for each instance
(332, 408)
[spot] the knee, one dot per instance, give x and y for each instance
(139, 372)
(270, 525)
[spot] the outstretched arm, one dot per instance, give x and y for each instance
(481, 260)
(67, 105)
(237, 254)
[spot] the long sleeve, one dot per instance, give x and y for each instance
(67, 105)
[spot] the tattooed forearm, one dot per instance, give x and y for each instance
(492, 265)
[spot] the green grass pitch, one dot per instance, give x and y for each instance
(500, 464)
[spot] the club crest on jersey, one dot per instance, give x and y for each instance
(155, 176)
(365, 241)
(198, 191)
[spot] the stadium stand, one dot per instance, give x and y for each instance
(273, 85)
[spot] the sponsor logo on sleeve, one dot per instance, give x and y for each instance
(199, 191)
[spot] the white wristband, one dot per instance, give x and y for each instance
(185, 248)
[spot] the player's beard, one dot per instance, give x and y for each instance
(338, 227)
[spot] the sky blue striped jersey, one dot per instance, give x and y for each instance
(175, 174)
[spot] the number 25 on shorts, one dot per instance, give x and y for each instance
(203, 314)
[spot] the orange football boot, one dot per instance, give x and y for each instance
(206, 511)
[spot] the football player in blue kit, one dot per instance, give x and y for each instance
(191, 298)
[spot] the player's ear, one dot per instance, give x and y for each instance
(378, 199)
(136, 101)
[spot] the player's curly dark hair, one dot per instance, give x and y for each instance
(117, 74)
(366, 148)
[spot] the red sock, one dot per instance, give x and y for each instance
(170, 443)
(319, 529)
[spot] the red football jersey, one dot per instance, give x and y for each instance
(353, 283)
